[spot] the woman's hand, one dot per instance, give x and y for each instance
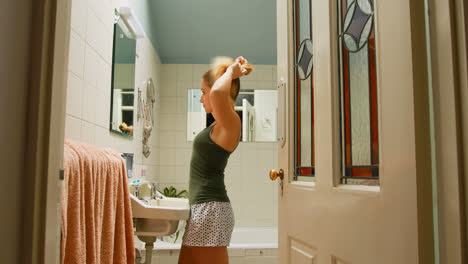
(236, 69)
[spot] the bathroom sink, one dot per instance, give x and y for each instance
(158, 217)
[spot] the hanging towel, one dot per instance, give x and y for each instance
(97, 223)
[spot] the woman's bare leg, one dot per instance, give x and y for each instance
(203, 255)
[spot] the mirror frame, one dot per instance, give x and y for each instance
(111, 129)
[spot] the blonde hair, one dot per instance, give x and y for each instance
(218, 68)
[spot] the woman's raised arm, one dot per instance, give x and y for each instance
(220, 95)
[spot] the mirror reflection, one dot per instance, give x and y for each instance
(257, 109)
(123, 79)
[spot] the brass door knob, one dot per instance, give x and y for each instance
(274, 174)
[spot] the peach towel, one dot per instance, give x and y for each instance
(97, 222)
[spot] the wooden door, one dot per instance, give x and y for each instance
(354, 138)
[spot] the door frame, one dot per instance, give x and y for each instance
(448, 41)
(50, 30)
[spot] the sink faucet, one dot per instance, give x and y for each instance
(137, 191)
(154, 191)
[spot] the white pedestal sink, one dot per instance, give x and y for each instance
(157, 217)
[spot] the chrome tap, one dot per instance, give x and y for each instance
(137, 192)
(154, 191)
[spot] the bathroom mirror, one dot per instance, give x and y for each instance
(123, 79)
(257, 109)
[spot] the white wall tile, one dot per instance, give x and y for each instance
(264, 73)
(248, 85)
(167, 139)
(183, 156)
(168, 89)
(102, 109)
(93, 29)
(152, 172)
(102, 137)
(74, 92)
(167, 157)
(104, 12)
(155, 134)
(167, 122)
(91, 69)
(89, 103)
(157, 157)
(181, 122)
(88, 132)
(264, 163)
(184, 72)
(183, 86)
(166, 174)
(235, 158)
(168, 105)
(138, 156)
(153, 158)
(97, 36)
(182, 174)
(265, 85)
(233, 178)
(106, 47)
(182, 104)
(198, 71)
(76, 54)
(72, 128)
(181, 140)
(248, 156)
(78, 17)
(169, 80)
(104, 74)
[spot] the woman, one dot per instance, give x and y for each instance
(211, 222)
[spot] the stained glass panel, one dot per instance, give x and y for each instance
(304, 115)
(358, 89)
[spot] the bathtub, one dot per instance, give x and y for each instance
(254, 238)
(259, 245)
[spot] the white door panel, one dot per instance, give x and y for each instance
(322, 219)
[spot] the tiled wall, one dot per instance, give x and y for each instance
(252, 193)
(89, 83)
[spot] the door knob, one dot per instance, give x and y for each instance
(275, 174)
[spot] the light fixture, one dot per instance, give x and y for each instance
(131, 22)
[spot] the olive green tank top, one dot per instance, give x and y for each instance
(206, 183)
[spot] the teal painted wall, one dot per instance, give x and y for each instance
(192, 32)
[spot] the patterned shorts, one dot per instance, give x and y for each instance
(210, 225)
